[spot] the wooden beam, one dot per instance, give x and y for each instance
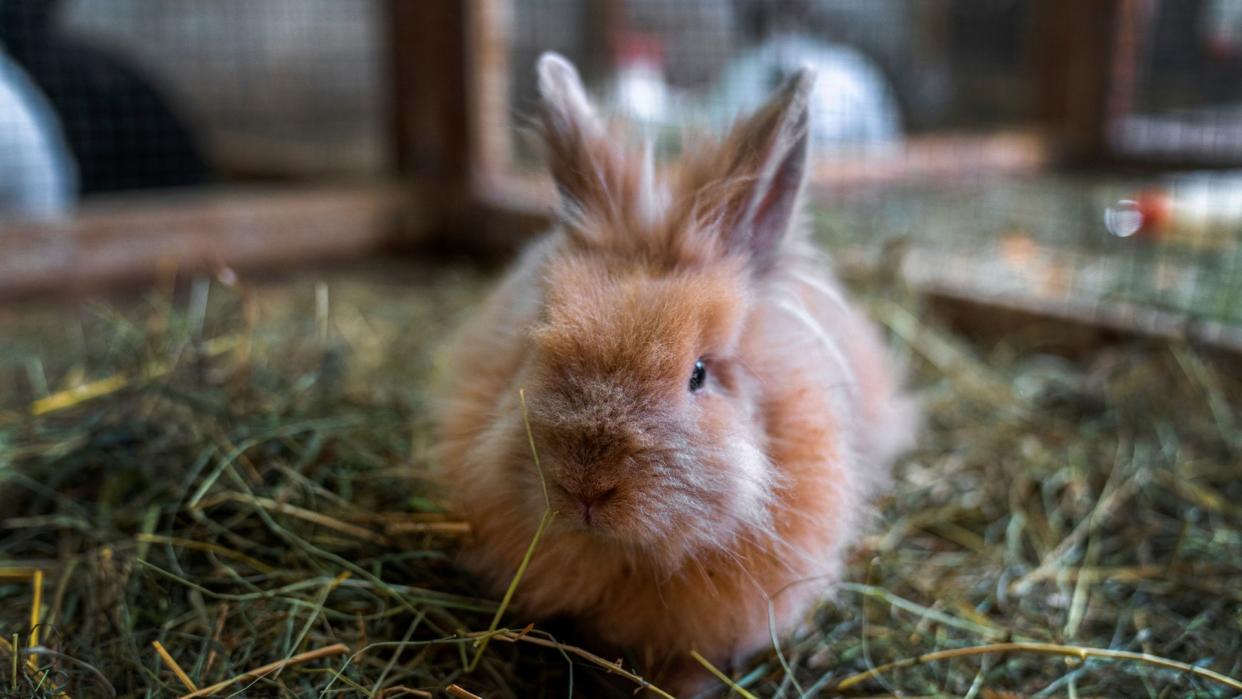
(1085, 57)
(488, 91)
(132, 239)
(429, 116)
(522, 200)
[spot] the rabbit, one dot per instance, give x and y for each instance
(710, 414)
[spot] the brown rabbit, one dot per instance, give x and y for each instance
(710, 414)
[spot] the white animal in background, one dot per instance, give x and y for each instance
(852, 103)
(38, 178)
(638, 89)
(1221, 25)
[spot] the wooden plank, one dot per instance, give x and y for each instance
(1085, 58)
(429, 116)
(527, 193)
(490, 27)
(939, 156)
(1179, 141)
(1079, 326)
(987, 298)
(135, 238)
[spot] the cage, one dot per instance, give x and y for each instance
(938, 128)
(939, 131)
(232, 232)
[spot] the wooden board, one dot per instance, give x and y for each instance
(135, 238)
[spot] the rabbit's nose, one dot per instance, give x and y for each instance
(589, 503)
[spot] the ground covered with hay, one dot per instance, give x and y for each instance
(220, 487)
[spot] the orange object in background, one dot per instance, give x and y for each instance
(1153, 207)
(1203, 206)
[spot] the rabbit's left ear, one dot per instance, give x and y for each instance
(767, 164)
(571, 129)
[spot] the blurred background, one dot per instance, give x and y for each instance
(234, 235)
(1058, 157)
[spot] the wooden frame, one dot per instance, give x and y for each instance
(1090, 65)
(456, 185)
(449, 68)
(509, 203)
(135, 239)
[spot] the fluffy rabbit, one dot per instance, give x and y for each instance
(710, 414)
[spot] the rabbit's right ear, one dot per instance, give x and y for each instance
(572, 132)
(768, 157)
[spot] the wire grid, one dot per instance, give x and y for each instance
(1044, 241)
(142, 94)
(1061, 242)
(1180, 97)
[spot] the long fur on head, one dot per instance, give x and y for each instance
(735, 196)
(660, 274)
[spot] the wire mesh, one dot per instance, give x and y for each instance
(926, 116)
(111, 95)
(918, 92)
(1179, 97)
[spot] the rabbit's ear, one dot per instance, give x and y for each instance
(766, 156)
(572, 131)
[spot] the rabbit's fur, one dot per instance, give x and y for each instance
(685, 517)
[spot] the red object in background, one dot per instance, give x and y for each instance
(636, 48)
(1154, 208)
(1221, 48)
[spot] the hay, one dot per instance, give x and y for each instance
(234, 501)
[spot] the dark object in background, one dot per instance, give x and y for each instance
(123, 132)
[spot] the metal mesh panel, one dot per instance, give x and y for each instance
(109, 95)
(921, 113)
(1179, 94)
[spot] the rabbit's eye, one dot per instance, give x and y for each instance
(699, 376)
